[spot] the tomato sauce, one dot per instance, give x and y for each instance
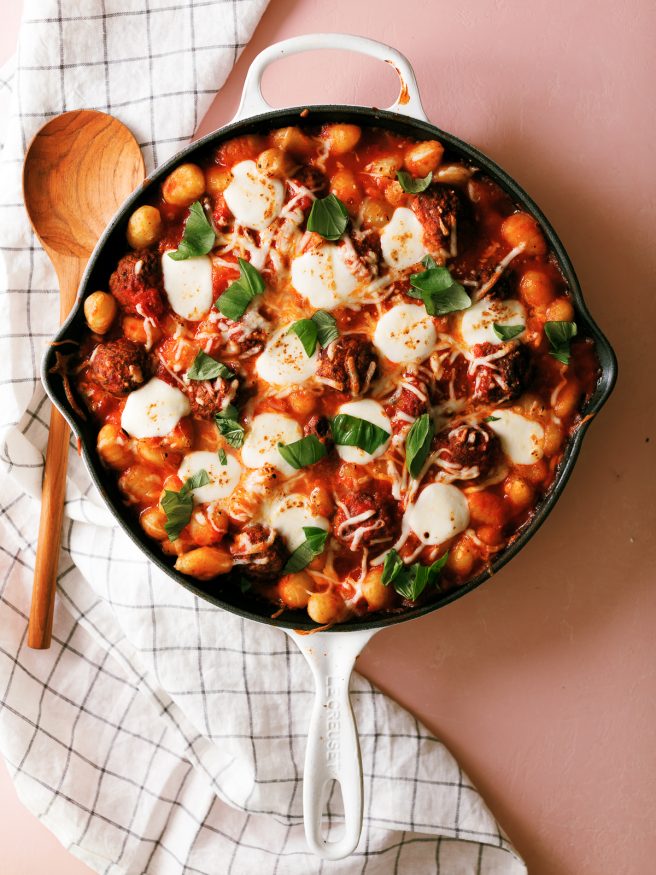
(474, 388)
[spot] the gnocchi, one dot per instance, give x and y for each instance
(321, 372)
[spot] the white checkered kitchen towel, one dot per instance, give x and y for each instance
(159, 734)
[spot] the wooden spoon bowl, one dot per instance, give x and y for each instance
(78, 170)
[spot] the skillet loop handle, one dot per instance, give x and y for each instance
(407, 103)
(333, 749)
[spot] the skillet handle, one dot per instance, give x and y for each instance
(333, 749)
(407, 103)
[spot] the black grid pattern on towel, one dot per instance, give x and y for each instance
(160, 735)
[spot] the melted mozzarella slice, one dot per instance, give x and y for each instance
(261, 444)
(223, 478)
(406, 333)
(284, 361)
(322, 276)
(521, 439)
(440, 512)
(290, 514)
(477, 323)
(153, 410)
(372, 411)
(402, 239)
(254, 199)
(188, 285)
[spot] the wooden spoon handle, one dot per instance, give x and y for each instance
(39, 632)
(50, 525)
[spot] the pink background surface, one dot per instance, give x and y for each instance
(542, 682)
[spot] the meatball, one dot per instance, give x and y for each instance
(450, 373)
(207, 397)
(467, 451)
(348, 364)
(412, 397)
(136, 284)
(438, 209)
(118, 366)
(242, 339)
(409, 402)
(312, 178)
(368, 250)
(365, 518)
(501, 379)
(260, 551)
(319, 426)
(498, 285)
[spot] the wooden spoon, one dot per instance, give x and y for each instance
(77, 172)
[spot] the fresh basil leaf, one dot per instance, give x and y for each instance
(328, 217)
(231, 430)
(451, 300)
(250, 278)
(492, 419)
(392, 567)
(438, 565)
(321, 326)
(507, 332)
(434, 279)
(425, 575)
(315, 541)
(204, 367)
(560, 335)
(438, 290)
(411, 185)
(420, 580)
(418, 442)
(327, 329)
(223, 459)
(560, 355)
(303, 452)
(351, 431)
(236, 298)
(404, 584)
(233, 302)
(229, 412)
(200, 478)
(178, 506)
(411, 582)
(197, 238)
(307, 332)
(229, 426)
(429, 262)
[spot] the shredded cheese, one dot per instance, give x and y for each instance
(498, 270)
